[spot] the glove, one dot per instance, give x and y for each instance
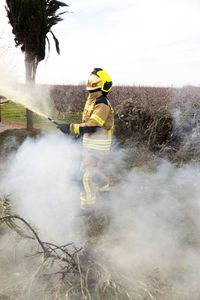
(64, 128)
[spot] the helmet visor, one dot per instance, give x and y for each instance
(94, 82)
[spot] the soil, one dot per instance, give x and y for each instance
(10, 125)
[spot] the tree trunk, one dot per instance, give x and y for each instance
(29, 120)
(31, 64)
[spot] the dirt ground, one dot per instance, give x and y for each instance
(10, 125)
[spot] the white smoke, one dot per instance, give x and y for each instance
(154, 215)
(186, 124)
(156, 225)
(40, 182)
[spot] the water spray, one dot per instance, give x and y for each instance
(17, 94)
(39, 113)
(16, 100)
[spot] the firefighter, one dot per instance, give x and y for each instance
(97, 128)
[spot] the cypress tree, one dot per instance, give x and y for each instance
(31, 21)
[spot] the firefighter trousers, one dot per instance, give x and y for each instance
(94, 179)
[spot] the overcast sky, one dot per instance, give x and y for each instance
(139, 42)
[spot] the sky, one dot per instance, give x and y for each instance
(138, 42)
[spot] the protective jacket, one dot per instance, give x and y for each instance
(97, 123)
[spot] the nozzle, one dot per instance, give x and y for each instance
(50, 119)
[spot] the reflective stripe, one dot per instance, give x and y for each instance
(109, 133)
(104, 188)
(76, 128)
(95, 141)
(97, 148)
(96, 144)
(89, 199)
(98, 119)
(85, 201)
(112, 111)
(86, 185)
(87, 107)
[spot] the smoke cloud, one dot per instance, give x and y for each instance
(154, 215)
(40, 182)
(156, 226)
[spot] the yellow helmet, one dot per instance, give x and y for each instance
(99, 79)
